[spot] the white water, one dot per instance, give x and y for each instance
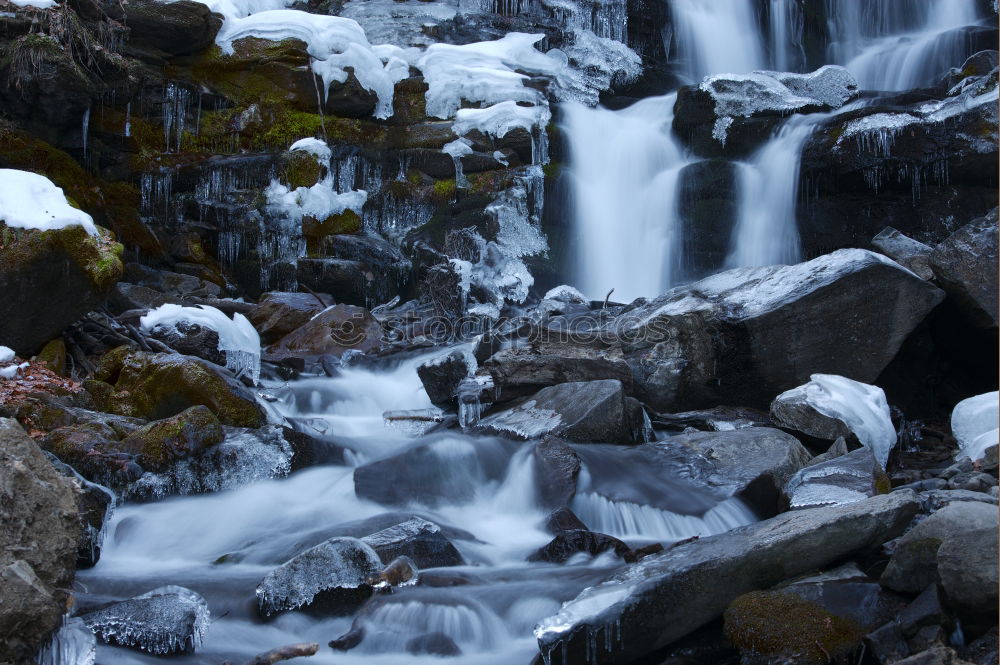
(714, 37)
(625, 167)
(221, 545)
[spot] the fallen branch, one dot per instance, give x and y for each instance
(284, 653)
(607, 298)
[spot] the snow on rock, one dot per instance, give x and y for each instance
(73, 644)
(319, 201)
(595, 62)
(761, 92)
(862, 409)
(32, 201)
(168, 619)
(566, 294)
(6, 354)
(337, 567)
(498, 120)
(315, 147)
(335, 43)
(237, 336)
(974, 424)
(37, 4)
(11, 371)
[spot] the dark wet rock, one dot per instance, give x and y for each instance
(982, 651)
(125, 297)
(50, 279)
(176, 28)
(39, 536)
(384, 261)
(556, 467)
(643, 598)
(836, 449)
(568, 543)
(936, 655)
(191, 339)
(278, 313)
(433, 644)
(159, 385)
(755, 463)
(967, 566)
(170, 283)
(349, 282)
(92, 449)
(418, 539)
(716, 419)
(824, 618)
(966, 267)
(161, 443)
(915, 559)
(927, 609)
(309, 450)
(887, 644)
(708, 210)
(401, 571)
(166, 620)
(584, 411)
(973, 481)
(845, 479)
(520, 371)
(337, 329)
(94, 503)
(441, 377)
(328, 578)
(563, 519)
(745, 335)
(905, 251)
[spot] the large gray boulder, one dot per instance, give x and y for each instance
(39, 533)
(967, 565)
(905, 251)
(583, 411)
(966, 267)
(915, 559)
(666, 596)
(745, 335)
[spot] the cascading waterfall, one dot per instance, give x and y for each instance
(625, 167)
(713, 37)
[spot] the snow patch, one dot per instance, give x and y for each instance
(974, 424)
(32, 201)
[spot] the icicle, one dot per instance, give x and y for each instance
(458, 149)
(128, 120)
(73, 644)
(86, 131)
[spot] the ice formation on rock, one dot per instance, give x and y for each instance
(457, 149)
(168, 619)
(237, 336)
(32, 201)
(73, 644)
(974, 423)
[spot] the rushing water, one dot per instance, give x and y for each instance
(221, 545)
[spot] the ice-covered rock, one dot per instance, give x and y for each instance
(635, 611)
(329, 576)
(844, 479)
(31, 201)
(168, 619)
(73, 644)
(566, 294)
(441, 376)
(237, 336)
(417, 539)
(906, 251)
(974, 424)
(585, 411)
(500, 119)
(830, 406)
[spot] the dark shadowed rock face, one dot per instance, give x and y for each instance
(176, 28)
(745, 335)
(441, 377)
(39, 534)
(334, 331)
(568, 543)
(664, 597)
(556, 467)
(279, 313)
(966, 266)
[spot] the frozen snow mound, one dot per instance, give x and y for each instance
(168, 619)
(974, 423)
(500, 119)
(862, 409)
(315, 147)
(335, 43)
(237, 337)
(32, 201)
(776, 93)
(319, 201)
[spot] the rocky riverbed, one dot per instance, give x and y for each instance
(307, 347)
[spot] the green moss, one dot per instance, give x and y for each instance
(552, 169)
(161, 443)
(301, 169)
(444, 191)
(778, 624)
(883, 485)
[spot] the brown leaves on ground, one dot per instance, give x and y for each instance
(35, 379)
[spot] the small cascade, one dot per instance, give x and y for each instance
(457, 149)
(712, 37)
(786, 46)
(766, 232)
(624, 168)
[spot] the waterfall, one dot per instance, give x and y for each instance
(786, 20)
(892, 46)
(715, 37)
(624, 172)
(766, 231)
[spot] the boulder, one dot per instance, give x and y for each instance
(441, 377)
(967, 567)
(563, 519)
(914, 563)
(744, 335)
(754, 463)
(905, 251)
(433, 644)
(387, 265)
(158, 385)
(330, 577)
(664, 597)
(855, 476)
(177, 28)
(582, 411)
(92, 450)
(417, 539)
(966, 267)
(167, 620)
(191, 339)
(125, 297)
(161, 443)
(279, 312)
(350, 282)
(936, 655)
(170, 283)
(715, 419)
(49, 279)
(94, 504)
(556, 467)
(39, 534)
(337, 329)
(568, 543)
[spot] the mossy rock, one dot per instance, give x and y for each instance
(49, 279)
(300, 169)
(53, 355)
(347, 222)
(163, 442)
(779, 626)
(159, 385)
